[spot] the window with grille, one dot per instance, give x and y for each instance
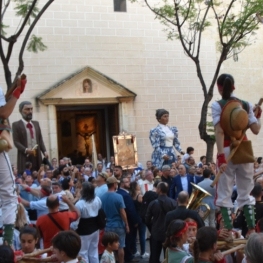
(120, 6)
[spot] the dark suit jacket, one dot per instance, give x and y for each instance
(181, 212)
(198, 179)
(177, 187)
(132, 215)
(20, 142)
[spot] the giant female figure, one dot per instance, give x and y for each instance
(164, 140)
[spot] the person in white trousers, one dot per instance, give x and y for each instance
(8, 195)
(231, 118)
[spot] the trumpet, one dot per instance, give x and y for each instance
(195, 200)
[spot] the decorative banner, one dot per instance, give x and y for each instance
(125, 151)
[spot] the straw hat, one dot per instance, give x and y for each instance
(3, 145)
(234, 119)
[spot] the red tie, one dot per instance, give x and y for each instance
(30, 127)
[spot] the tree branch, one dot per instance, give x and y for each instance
(6, 5)
(14, 37)
(5, 38)
(218, 24)
(219, 64)
(227, 11)
(188, 11)
(21, 53)
(200, 32)
(3, 59)
(26, 19)
(181, 35)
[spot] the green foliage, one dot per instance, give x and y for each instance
(27, 10)
(23, 7)
(3, 32)
(210, 129)
(187, 19)
(35, 44)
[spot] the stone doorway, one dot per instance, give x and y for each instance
(76, 124)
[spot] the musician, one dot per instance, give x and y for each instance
(181, 212)
(7, 180)
(164, 139)
(231, 118)
(27, 134)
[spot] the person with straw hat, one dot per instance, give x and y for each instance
(7, 180)
(231, 118)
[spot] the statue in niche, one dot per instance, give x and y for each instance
(87, 86)
(66, 129)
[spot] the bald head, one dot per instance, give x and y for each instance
(52, 202)
(183, 198)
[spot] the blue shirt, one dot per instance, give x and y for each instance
(27, 195)
(40, 206)
(111, 204)
(101, 190)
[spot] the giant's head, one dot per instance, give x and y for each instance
(26, 110)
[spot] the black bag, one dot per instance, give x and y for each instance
(101, 219)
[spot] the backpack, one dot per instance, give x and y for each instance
(148, 197)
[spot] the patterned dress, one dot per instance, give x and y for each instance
(158, 139)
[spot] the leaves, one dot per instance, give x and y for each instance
(23, 7)
(3, 32)
(35, 44)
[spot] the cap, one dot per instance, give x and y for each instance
(104, 175)
(112, 180)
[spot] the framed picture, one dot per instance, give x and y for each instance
(125, 151)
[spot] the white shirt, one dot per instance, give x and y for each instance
(185, 157)
(87, 210)
(146, 186)
(2, 98)
(169, 135)
(184, 182)
(216, 112)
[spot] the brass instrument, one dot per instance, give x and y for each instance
(195, 200)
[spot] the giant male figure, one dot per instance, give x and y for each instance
(27, 134)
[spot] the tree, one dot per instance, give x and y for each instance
(186, 21)
(29, 14)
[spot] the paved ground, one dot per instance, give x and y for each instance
(144, 260)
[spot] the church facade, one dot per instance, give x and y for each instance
(109, 66)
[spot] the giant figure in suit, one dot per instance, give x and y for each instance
(27, 134)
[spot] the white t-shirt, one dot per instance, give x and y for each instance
(216, 112)
(2, 98)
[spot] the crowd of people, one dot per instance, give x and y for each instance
(86, 213)
(138, 204)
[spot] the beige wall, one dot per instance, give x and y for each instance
(132, 49)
